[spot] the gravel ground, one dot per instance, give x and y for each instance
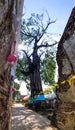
(26, 119)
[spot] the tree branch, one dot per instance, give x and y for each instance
(47, 45)
(20, 65)
(27, 34)
(44, 30)
(28, 57)
(41, 54)
(25, 73)
(31, 67)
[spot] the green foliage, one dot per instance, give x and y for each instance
(22, 64)
(16, 85)
(48, 66)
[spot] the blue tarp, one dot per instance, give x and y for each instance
(37, 98)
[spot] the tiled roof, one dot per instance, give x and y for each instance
(70, 27)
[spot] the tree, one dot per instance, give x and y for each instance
(33, 34)
(7, 36)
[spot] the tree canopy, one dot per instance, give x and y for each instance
(48, 66)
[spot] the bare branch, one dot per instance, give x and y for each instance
(28, 57)
(27, 34)
(44, 30)
(41, 54)
(32, 67)
(25, 73)
(47, 45)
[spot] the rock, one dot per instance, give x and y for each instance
(65, 113)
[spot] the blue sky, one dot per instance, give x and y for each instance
(57, 9)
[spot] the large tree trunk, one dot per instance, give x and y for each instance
(65, 113)
(7, 36)
(35, 81)
(6, 39)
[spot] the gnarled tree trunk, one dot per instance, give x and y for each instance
(6, 39)
(35, 80)
(7, 35)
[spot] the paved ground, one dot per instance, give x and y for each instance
(25, 119)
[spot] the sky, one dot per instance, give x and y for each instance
(57, 9)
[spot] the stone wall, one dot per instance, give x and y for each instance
(65, 114)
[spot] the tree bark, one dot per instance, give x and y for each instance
(7, 36)
(6, 39)
(35, 84)
(35, 81)
(65, 113)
